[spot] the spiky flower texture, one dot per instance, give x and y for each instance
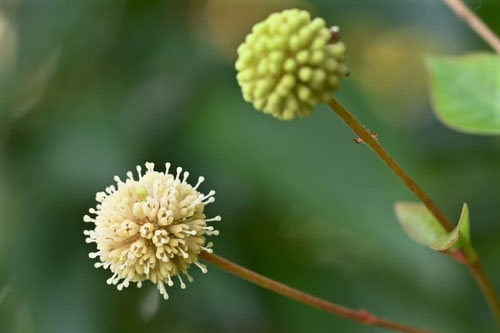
(289, 63)
(150, 228)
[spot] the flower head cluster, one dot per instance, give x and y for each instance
(289, 63)
(150, 228)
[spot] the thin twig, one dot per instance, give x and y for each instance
(362, 316)
(373, 143)
(367, 137)
(475, 23)
(484, 282)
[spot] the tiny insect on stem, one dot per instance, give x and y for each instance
(367, 136)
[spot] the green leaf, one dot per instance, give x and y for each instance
(422, 226)
(464, 241)
(464, 223)
(466, 92)
(418, 222)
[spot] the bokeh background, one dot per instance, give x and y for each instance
(90, 89)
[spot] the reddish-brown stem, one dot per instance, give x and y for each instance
(475, 23)
(484, 282)
(372, 142)
(362, 316)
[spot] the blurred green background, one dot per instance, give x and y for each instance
(90, 89)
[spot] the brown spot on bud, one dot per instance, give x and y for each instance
(335, 32)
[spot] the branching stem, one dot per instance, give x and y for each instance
(372, 142)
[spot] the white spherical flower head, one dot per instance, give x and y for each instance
(150, 228)
(289, 63)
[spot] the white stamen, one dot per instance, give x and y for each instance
(150, 166)
(111, 279)
(139, 171)
(87, 218)
(125, 284)
(163, 291)
(209, 200)
(169, 280)
(183, 285)
(93, 255)
(201, 179)
(212, 192)
(184, 254)
(189, 277)
(202, 267)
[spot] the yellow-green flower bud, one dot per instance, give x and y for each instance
(289, 63)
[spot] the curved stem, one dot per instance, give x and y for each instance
(373, 143)
(362, 316)
(368, 138)
(475, 23)
(484, 282)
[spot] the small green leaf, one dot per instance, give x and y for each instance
(466, 92)
(418, 222)
(464, 241)
(444, 242)
(422, 226)
(464, 223)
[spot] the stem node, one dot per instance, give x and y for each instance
(367, 137)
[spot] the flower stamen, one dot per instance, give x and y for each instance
(150, 228)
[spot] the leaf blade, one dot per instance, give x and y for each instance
(418, 222)
(465, 92)
(425, 229)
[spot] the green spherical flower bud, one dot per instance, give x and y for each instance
(289, 63)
